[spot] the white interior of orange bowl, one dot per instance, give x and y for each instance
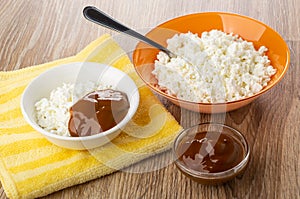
(42, 85)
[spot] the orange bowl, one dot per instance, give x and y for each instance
(247, 28)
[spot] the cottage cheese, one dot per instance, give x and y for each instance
(218, 67)
(52, 113)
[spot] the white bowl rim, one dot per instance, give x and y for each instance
(119, 125)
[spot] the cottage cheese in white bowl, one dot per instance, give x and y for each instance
(46, 101)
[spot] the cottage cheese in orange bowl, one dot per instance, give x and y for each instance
(223, 61)
(214, 68)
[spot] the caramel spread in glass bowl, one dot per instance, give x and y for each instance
(211, 153)
(97, 112)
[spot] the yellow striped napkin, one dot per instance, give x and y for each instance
(30, 166)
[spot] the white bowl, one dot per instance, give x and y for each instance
(42, 85)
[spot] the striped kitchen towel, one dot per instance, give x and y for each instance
(30, 166)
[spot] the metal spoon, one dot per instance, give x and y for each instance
(97, 16)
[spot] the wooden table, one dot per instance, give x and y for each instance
(34, 32)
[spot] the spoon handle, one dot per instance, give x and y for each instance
(97, 16)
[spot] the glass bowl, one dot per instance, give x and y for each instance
(219, 164)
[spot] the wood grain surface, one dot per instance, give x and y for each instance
(38, 31)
